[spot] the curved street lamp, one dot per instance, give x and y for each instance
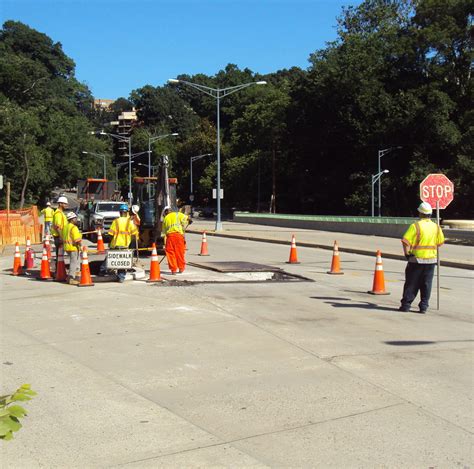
(217, 94)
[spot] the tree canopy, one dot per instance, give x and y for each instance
(397, 77)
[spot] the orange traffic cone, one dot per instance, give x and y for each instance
(45, 273)
(60, 275)
(293, 256)
(204, 251)
(47, 244)
(155, 274)
(336, 263)
(17, 270)
(86, 280)
(100, 242)
(379, 280)
(29, 256)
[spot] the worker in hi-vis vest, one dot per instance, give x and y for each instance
(420, 243)
(48, 213)
(72, 239)
(59, 222)
(122, 230)
(173, 228)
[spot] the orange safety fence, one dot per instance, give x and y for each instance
(17, 225)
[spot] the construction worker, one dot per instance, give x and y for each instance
(173, 227)
(59, 222)
(134, 215)
(48, 213)
(420, 244)
(72, 239)
(122, 230)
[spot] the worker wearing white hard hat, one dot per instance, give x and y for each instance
(173, 228)
(48, 214)
(59, 222)
(135, 216)
(72, 239)
(420, 245)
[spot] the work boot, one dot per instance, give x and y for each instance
(404, 309)
(73, 281)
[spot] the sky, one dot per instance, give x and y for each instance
(119, 45)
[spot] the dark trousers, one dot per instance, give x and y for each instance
(418, 277)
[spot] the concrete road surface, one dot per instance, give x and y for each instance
(259, 374)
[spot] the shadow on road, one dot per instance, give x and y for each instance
(403, 343)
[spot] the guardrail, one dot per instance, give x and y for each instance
(391, 227)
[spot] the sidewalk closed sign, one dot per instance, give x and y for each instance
(121, 259)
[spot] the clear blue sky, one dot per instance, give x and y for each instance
(122, 45)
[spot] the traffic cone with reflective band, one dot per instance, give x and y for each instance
(86, 280)
(29, 256)
(379, 280)
(100, 242)
(60, 275)
(204, 251)
(293, 256)
(336, 263)
(45, 273)
(17, 270)
(47, 245)
(155, 273)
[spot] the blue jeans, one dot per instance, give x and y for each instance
(418, 277)
(47, 227)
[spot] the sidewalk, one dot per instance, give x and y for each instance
(451, 255)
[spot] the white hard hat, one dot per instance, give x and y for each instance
(62, 200)
(71, 215)
(425, 208)
(135, 209)
(48, 203)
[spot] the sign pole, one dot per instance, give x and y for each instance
(8, 201)
(438, 262)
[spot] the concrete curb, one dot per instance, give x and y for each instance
(363, 252)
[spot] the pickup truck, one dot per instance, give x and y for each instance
(100, 214)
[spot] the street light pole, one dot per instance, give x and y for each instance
(191, 161)
(100, 155)
(381, 153)
(218, 94)
(375, 178)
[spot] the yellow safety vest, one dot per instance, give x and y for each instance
(70, 236)
(59, 222)
(174, 222)
(48, 213)
(422, 239)
(122, 230)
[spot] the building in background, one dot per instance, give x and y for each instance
(123, 126)
(103, 104)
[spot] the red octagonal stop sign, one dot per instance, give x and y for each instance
(437, 188)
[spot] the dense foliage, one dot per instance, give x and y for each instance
(398, 75)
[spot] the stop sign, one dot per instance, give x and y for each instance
(437, 188)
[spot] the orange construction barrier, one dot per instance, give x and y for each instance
(86, 280)
(45, 273)
(100, 242)
(60, 275)
(17, 270)
(336, 263)
(155, 273)
(29, 256)
(379, 280)
(293, 255)
(47, 244)
(204, 251)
